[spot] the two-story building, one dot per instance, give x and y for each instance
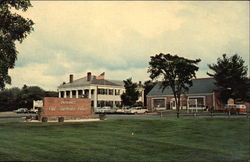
(101, 91)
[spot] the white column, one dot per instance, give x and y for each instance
(89, 93)
(95, 97)
(77, 94)
(59, 94)
(70, 94)
(65, 94)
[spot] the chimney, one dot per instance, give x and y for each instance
(88, 76)
(140, 84)
(71, 78)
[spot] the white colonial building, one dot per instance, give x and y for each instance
(101, 91)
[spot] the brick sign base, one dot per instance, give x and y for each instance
(66, 107)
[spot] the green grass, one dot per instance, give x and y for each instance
(112, 140)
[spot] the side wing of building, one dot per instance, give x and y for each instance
(200, 96)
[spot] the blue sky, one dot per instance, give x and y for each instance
(118, 38)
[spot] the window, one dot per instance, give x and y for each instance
(67, 94)
(80, 93)
(117, 92)
(159, 103)
(109, 103)
(111, 91)
(73, 94)
(105, 91)
(117, 103)
(104, 103)
(196, 101)
(102, 91)
(99, 91)
(62, 94)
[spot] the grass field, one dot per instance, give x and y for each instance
(127, 140)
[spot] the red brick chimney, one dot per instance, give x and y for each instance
(71, 78)
(88, 76)
(139, 85)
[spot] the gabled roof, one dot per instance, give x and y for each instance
(83, 82)
(202, 85)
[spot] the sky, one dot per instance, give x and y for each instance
(118, 38)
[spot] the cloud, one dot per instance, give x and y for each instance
(119, 37)
(32, 75)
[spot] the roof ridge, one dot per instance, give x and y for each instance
(79, 79)
(203, 78)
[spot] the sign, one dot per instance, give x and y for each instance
(38, 103)
(66, 107)
(230, 101)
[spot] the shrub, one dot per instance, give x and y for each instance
(60, 119)
(102, 116)
(44, 119)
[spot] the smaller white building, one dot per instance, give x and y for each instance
(101, 91)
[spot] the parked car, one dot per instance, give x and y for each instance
(138, 110)
(160, 108)
(127, 110)
(21, 110)
(235, 109)
(120, 111)
(104, 109)
(35, 110)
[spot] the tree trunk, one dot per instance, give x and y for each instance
(178, 110)
(178, 106)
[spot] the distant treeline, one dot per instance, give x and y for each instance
(14, 98)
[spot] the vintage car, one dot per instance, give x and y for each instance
(235, 109)
(138, 110)
(105, 109)
(21, 110)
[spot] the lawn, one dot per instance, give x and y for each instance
(127, 140)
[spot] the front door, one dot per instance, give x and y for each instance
(172, 104)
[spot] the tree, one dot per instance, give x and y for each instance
(8, 99)
(131, 95)
(148, 85)
(13, 27)
(28, 94)
(51, 94)
(176, 72)
(14, 98)
(231, 79)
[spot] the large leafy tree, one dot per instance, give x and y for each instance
(13, 98)
(231, 78)
(28, 94)
(176, 72)
(131, 94)
(8, 99)
(148, 85)
(13, 27)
